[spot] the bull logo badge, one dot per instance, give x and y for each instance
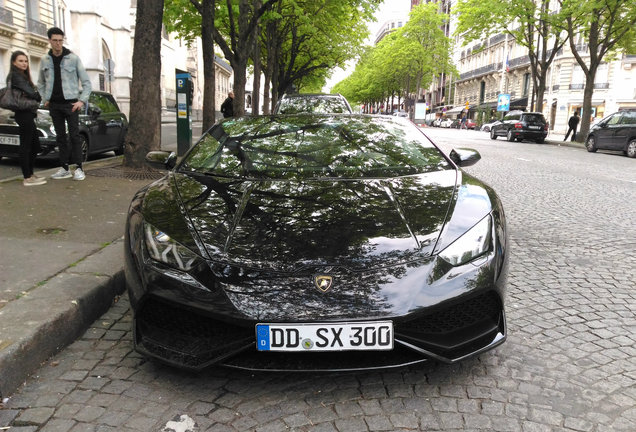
(323, 283)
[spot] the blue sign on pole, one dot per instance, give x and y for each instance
(503, 102)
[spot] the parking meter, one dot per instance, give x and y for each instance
(184, 110)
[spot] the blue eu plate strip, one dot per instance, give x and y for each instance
(262, 337)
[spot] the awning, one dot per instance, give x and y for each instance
(519, 103)
(456, 110)
(488, 105)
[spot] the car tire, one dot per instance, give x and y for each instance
(120, 150)
(509, 136)
(590, 144)
(84, 147)
(492, 134)
(630, 151)
(486, 129)
(540, 140)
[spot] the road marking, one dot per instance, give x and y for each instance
(525, 160)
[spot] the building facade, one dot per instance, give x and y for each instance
(498, 65)
(103, 37)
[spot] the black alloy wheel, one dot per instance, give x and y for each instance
(631, 149)
(590, 144)
(509, 136)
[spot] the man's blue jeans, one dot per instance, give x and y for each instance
(70, 152)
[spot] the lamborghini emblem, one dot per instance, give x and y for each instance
(323, 283)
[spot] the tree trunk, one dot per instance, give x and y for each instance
(209, 75)
(256, 58)
(587, 106)
(144, 131)
(266, 101)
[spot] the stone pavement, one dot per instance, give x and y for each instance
(569, 363)
(60, 262)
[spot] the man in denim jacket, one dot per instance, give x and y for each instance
(58, 83)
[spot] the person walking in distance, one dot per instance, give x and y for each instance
(20, 78)
(64, 99)
(227, 107)
(572, 124)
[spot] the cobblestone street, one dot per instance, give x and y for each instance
(569, 363)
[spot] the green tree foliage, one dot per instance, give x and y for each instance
(403, 61)
(300, 41)
(530, 23)
(598, 29)
(309, 38)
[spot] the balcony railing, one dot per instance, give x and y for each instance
(496, 39)
(519, 61)
(601, 85)
(493, 67)
(6, 16)
(577, 86)
(36, 27)
(556, 87)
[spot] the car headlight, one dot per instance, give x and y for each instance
(472, 244)
(164, 249)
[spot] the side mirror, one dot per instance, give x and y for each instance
(464, 157)
(161, 159)
(94, 110)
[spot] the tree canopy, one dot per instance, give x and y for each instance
(403, 61)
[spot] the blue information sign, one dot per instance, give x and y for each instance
(503, 102)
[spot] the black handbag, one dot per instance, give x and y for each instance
(14, 99)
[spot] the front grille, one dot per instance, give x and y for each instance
(457, 330)
(456, 317)
(185, 337)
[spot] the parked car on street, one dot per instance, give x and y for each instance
(102, 128)
(470, 124)
(616, 132)
(486, 126)
(446, 123)
(315, 103)
(322, 242)
(520, 125)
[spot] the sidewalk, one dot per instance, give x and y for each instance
(61, 262)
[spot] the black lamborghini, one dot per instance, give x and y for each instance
(316, 242)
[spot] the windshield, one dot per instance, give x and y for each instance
(318, 104)
(305, 147)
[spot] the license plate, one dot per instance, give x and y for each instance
(10, 140)
(534, 127)
(362, 336)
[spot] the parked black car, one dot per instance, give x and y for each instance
(617, 132)
(316, 242)
(102, 128)
(520, 125)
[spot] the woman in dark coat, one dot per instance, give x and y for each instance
(20, 76)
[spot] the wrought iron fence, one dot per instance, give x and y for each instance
(36, 27)
(6, 16)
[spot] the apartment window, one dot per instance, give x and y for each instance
(526, 85)
(601, 78)
(577, 82)
(32, 9)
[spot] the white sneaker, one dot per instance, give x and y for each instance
(79, 174)
(33, 181)
(61, 174)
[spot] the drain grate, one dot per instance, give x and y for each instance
(127, 173)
